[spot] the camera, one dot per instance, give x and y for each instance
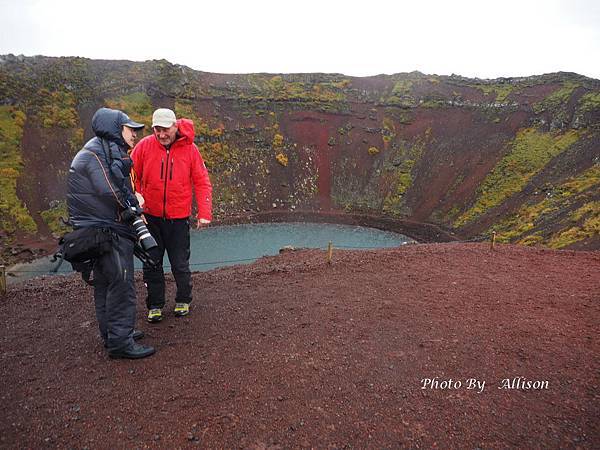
(133, 215)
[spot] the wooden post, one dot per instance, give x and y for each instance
(2, 280)
(493, 241)
(329, 252)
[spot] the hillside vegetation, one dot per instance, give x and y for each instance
(515, 156)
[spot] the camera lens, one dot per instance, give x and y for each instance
(144, 237)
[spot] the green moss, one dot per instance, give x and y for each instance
(277, 140)
(137, 105)
(589, 102)
(282, 159)
(52, 218)
(213, 146)
(13, 214)
(566, 237)
(57, 109)
(530, 152)
(573, 190)
(12, 121)
(399, 115)
(398, 174)
(402, 88)
(523, 221)
(501, 90)
(401, 93)
(30, 80)
(175, 81)
(433, 103)
(388, 131)
(76, 141)
(531, 240)
(217, 155)
(279, 89)
(589, 209)
(454, 211)
(589, 228)
(557, 98)
(583, 182)
(592, 224)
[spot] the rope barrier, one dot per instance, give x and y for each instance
(329, 249)
(219, 263)
(168, 266)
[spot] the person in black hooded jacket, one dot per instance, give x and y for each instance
(99, 191)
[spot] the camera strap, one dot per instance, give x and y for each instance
(144, 256)
(118, 182)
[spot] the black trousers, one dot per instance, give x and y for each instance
(114, 295)
(172, 235)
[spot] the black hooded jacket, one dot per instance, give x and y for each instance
(96, 195)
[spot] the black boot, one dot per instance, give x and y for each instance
(137, 335)
(136, 351)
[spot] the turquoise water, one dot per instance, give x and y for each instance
(241, 244)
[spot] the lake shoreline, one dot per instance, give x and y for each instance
(30, 248)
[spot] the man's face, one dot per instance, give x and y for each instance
(166, 136)
(129, 136)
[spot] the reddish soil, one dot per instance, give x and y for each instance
(25, 248)
(308, 126)
(292, 352)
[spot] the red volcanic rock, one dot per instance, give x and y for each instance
(439, 345)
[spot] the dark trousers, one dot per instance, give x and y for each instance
(114, 295)
(172, 235)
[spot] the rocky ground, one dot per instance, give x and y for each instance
(294, 352)
(25, 249)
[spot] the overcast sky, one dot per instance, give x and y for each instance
(474, 38)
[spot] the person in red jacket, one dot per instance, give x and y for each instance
(168, 167)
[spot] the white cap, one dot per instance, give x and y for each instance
(163, 117)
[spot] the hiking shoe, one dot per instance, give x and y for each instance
(181, 309)
(154, 315)
(136, 351)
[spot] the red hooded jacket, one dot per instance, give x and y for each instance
(165, 177)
